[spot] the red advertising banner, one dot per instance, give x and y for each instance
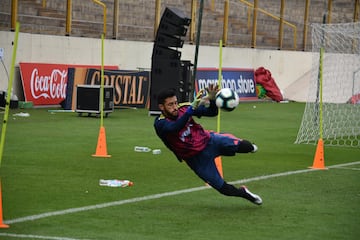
(46, 83)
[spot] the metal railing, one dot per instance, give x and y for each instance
(104, 9)
(280, 19)
(68, 16)
(250, 25)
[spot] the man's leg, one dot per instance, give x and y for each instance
(230, 190)
(230, 145)
(209, 173)
(244, 146)
(204, 166)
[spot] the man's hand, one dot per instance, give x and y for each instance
(212, 90)
(200, 99)
(197, 99)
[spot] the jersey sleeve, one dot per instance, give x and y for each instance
(163, 126)
(210, 111)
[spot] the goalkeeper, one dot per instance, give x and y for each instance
(197, 146)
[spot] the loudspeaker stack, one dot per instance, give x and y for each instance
(167, 68)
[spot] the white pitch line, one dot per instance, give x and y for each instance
(348, 168)
(157, 196)
(36, 236)
(343, 165)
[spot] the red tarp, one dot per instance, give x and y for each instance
(263, 77)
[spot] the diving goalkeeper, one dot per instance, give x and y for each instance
(190, 142)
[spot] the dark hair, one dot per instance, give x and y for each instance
(164, 94)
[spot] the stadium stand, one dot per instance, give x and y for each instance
(136, 19)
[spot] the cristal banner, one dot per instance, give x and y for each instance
(240, 80)
(131, 88)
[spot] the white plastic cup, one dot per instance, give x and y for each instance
(156, 151)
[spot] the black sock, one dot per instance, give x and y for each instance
(230, 190)
(245, 147)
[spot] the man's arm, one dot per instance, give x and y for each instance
(210, 111)
(162, 125)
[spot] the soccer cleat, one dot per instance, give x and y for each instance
(251, 196)
(255, 148)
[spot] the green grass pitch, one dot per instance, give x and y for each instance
(48, 168)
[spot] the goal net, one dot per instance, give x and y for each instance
(332, 110)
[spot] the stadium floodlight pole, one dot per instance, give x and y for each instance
(9, 91)
(197, 40)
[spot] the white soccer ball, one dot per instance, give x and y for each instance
(227, 99)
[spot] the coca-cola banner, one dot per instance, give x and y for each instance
(131, 88)
(46, 84)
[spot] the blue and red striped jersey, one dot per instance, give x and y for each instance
(183, 135)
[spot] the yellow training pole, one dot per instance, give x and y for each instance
(321, 92)
(219, 82)
(319, 161)
(102, 83)
(6, 114)
(8, 95)
(101, 148)
(218, 161)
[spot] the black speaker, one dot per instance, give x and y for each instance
(170, 74)
(88, 99)
(169, 41)
(164, 74)
(160, 52)
(187, 86)
(167, 69)
(173, 26)
(169, 28)
(175, 16)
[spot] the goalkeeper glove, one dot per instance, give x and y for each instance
(197, 100)
(212, 90)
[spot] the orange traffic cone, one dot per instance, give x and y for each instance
(2, 224)
(319, 161)
(101, 149)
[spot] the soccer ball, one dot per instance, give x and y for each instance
(227, 99)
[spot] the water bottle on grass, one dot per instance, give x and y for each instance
(141, 149)
(115, 183)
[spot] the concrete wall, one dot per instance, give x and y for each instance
(288, 68)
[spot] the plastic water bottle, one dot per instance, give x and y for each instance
(115, 183)
(141, 149)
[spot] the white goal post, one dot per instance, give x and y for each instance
(332, 110)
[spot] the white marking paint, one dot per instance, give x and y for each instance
(348, 168)
(36, 237)
(139, 199)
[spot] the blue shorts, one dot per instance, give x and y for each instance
(203, 164)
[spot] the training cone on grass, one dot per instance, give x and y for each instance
(2, 224)
(101, 149)
(319, 161)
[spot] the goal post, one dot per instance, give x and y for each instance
(332, 110)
